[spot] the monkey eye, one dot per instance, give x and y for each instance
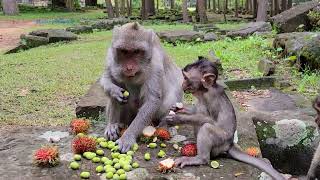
(136, 51)
(124, 51)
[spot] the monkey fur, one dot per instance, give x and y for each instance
(213, 118)
(137, 63)
(314, 170)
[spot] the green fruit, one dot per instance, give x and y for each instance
(103, 144)
(135, 147)
(130, 153)
(101, 139)
(123, 177)
(100, 152)
(116, 176)
(123, 163)
(108, 162)
(147, 156)
(215, 164)
(95, 159)
(115, 160)
(127, 167)
(85, 175)
(107, 167)
(115, 149)
(152, 145)
(74, 165)
(77, 157)
(104, 159)
(85, 154)
(163, 145)
(161, 154)
(109, 175)
(125, 93)
(111, 146)
(117, 166)
(121, 171)
(135, 165)
(122, 156)
(80, 134)
(99, 169)
(90, 155)
(115, 155)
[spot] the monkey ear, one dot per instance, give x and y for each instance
(208, 80)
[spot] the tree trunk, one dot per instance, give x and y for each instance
(250, 7)
(143, 10)
(70, 5)
(149, 8)
(185, 11)
(116, 7)
(276, 7)
(236, 8)
(109, 9)
(157, 4)
(262, 10)
(209, 4)
(214, 5)
(226, 5)
(10, 7)
(225, 10)
(289, 4)
(172, 4)
(202, 11)
(254, 6)
(271, 9)
(129, 7)
(283, 5)
(123, 7)
(219, 6)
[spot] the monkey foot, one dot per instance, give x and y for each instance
(112, 132)
(189, 161)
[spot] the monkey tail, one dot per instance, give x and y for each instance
(237, 154)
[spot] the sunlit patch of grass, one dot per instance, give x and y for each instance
(230, 25)
(307, 82)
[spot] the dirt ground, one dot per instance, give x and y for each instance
(10, 32)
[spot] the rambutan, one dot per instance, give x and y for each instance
(166, 165)
(46, 156)
(189, 150)
(253, 151)
(79, 126)
(162, 134)
(83, 144)
(148, 131)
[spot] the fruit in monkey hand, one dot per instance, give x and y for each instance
(79, 126)
(83, 144)
(162, 134)
(46, 156)
(172, 113)
(179, 105)
(126, 94)
(166, 165)
(189, 150)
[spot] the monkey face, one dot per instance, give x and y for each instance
(131, 61)
(192, 81)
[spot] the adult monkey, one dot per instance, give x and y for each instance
(136, 62)
(314, 170)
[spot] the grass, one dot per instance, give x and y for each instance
(41, 86)
(71, 16)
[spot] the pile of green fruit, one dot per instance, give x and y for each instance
(115, 166)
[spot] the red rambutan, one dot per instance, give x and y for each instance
(83, 144)
(162, 134)
(46, 156)
(79, 126)
(189, 150)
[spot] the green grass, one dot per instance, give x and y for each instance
(73, 16)
(42, 85)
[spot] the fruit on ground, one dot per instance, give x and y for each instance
(161, 154)
(130, 153)
(103, 144)
(109, 175)
(135, 165)
(100, 152)
(101, 139)
(215, 164)
(117, 166)
(104, 159)
(95, 159)
(121, 171)
(74, 165)
(123, 177)
(116, 177)
(46, 156)
(85, 175)
(147, 156)
(77, 157)
(79, 126)
(148, 131)
(152, 145)
(166, 165)
(127, 167)
(83, 144)
(189, 150)
(135, 147)
(162, 134)
(89, 155)
(163, 145)
(99, 169)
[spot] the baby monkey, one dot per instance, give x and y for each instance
(314, 170)
(213, 118)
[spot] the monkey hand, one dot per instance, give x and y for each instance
(117, 93)
(112, 131)
(172, 119)
(125, 142)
